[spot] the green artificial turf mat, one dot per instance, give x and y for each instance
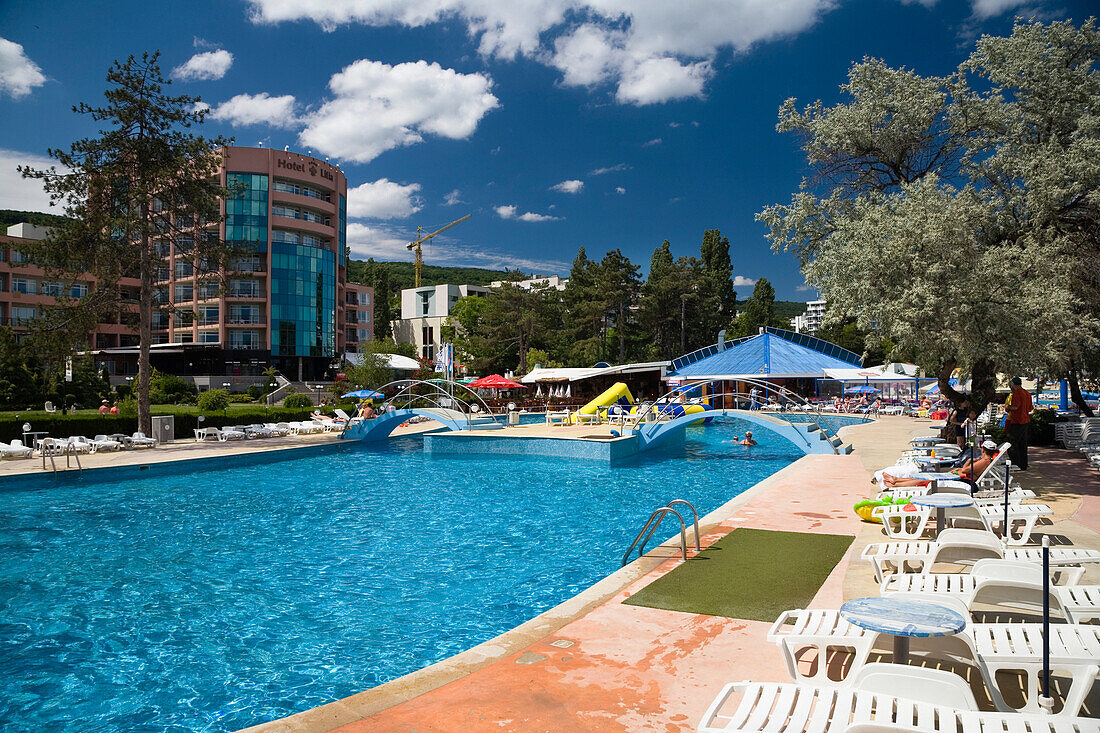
(750, 573)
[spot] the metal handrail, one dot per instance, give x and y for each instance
(694, 519)
(661, 513)
(67, 450)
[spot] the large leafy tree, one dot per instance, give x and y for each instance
(619, 285)
(958, 215)
(497, 332)
(145, 178)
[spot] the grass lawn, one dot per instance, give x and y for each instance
(156, 410)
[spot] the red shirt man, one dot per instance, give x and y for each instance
(1018, 406)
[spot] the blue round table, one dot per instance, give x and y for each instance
(942, 502)
(902, 619)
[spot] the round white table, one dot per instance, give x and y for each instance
(902, 619)
(941, 503)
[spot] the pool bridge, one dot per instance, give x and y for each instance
(808, 437)
(380, 427)
(454, 405)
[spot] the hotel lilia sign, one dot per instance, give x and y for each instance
(311, 167)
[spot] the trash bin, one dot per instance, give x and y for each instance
(164, 428)
(513, 418)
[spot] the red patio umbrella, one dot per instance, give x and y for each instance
(495, 381)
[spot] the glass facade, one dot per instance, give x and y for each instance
(246, 209)
(303, 301)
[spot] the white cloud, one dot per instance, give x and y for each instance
(651, 143)
(378, 107)
(384, 199)
(661, 80)
(984, 9)
(571, 186)
(23, 194)
(674, 125)
(204, 66)
(509, 212)
(388, 244)
(650, 50)
(740, 281)
(804, 289)
(452, 198)
(18, 74)
(620, 190)
(258, 109)
(610, 169)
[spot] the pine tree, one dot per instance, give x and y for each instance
(717, 299)
(145, 178)
(619, 284)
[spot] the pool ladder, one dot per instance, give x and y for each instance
(67, 450)
(654, 522)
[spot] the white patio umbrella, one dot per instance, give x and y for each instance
(568, 390)
(538, 392)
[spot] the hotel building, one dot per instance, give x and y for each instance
(284, 300)
(423, 312)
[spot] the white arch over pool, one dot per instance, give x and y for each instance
(805, 437)
(380, 427)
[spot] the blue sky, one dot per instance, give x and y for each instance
(556, 123)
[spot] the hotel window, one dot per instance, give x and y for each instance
(185, 338)
(244, 288)
(427, 334)
(22, 285)
(364, 316)
(364, 298)
(183, 319)
(247, 264)
(208, 291)
(208, 315)
(246, 208)
(244, 314)
(244, 339)
(162, 273)
(185, 245)
(160, 295)
(162, 249)
(78, 290)
(17, 257)
(159, 321)
(287, 187)
(22, 316)
(209, 337)
(184, 269)
(364, 334)
(185, 293)
(54, 289)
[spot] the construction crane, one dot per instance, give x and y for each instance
(415, 246)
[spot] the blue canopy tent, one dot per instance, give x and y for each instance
(862, 389)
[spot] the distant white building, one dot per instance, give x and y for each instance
(811, 320)
(550, 281)
(423, 311)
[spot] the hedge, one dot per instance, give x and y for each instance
(62, 426)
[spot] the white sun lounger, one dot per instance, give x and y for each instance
(769, 707)
(1074, 649)
(965, 547)
(102, 442)
(1001, 583)
(140, 440)
(909, 522)
(15, 449)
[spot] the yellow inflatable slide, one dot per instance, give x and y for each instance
(607, 398)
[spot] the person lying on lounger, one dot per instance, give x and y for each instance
(969, 471)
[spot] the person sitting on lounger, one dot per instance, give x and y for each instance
(968, 471)
(748, 439)
(367, 413)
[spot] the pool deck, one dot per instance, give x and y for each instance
(596, 664)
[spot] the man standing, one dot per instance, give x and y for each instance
(1018, 406)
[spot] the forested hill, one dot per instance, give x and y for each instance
(402, 274)
(10, 216)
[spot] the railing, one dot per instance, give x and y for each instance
(243, 321)
(654, 522)
(48, 448)
(407, 398)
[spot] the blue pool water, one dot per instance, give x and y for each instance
(220, 599)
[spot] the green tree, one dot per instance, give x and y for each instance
(957, 214)
(662, 308)
(377, 275)
(370, 373)
(146, 177)
(214, 400)
(758, 312)
(717, 301)
(619, 284)
(538, 357)
(584, 316)
(20, 384)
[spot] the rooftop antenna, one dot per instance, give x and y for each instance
(286, 148)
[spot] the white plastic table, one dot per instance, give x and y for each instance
(941, 503)
(902, 619)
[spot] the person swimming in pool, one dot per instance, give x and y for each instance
(748, 439)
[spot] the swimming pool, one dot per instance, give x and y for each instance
(220, 599)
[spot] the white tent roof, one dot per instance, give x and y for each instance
(393, 361)
(885, 373)
(575, 374)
